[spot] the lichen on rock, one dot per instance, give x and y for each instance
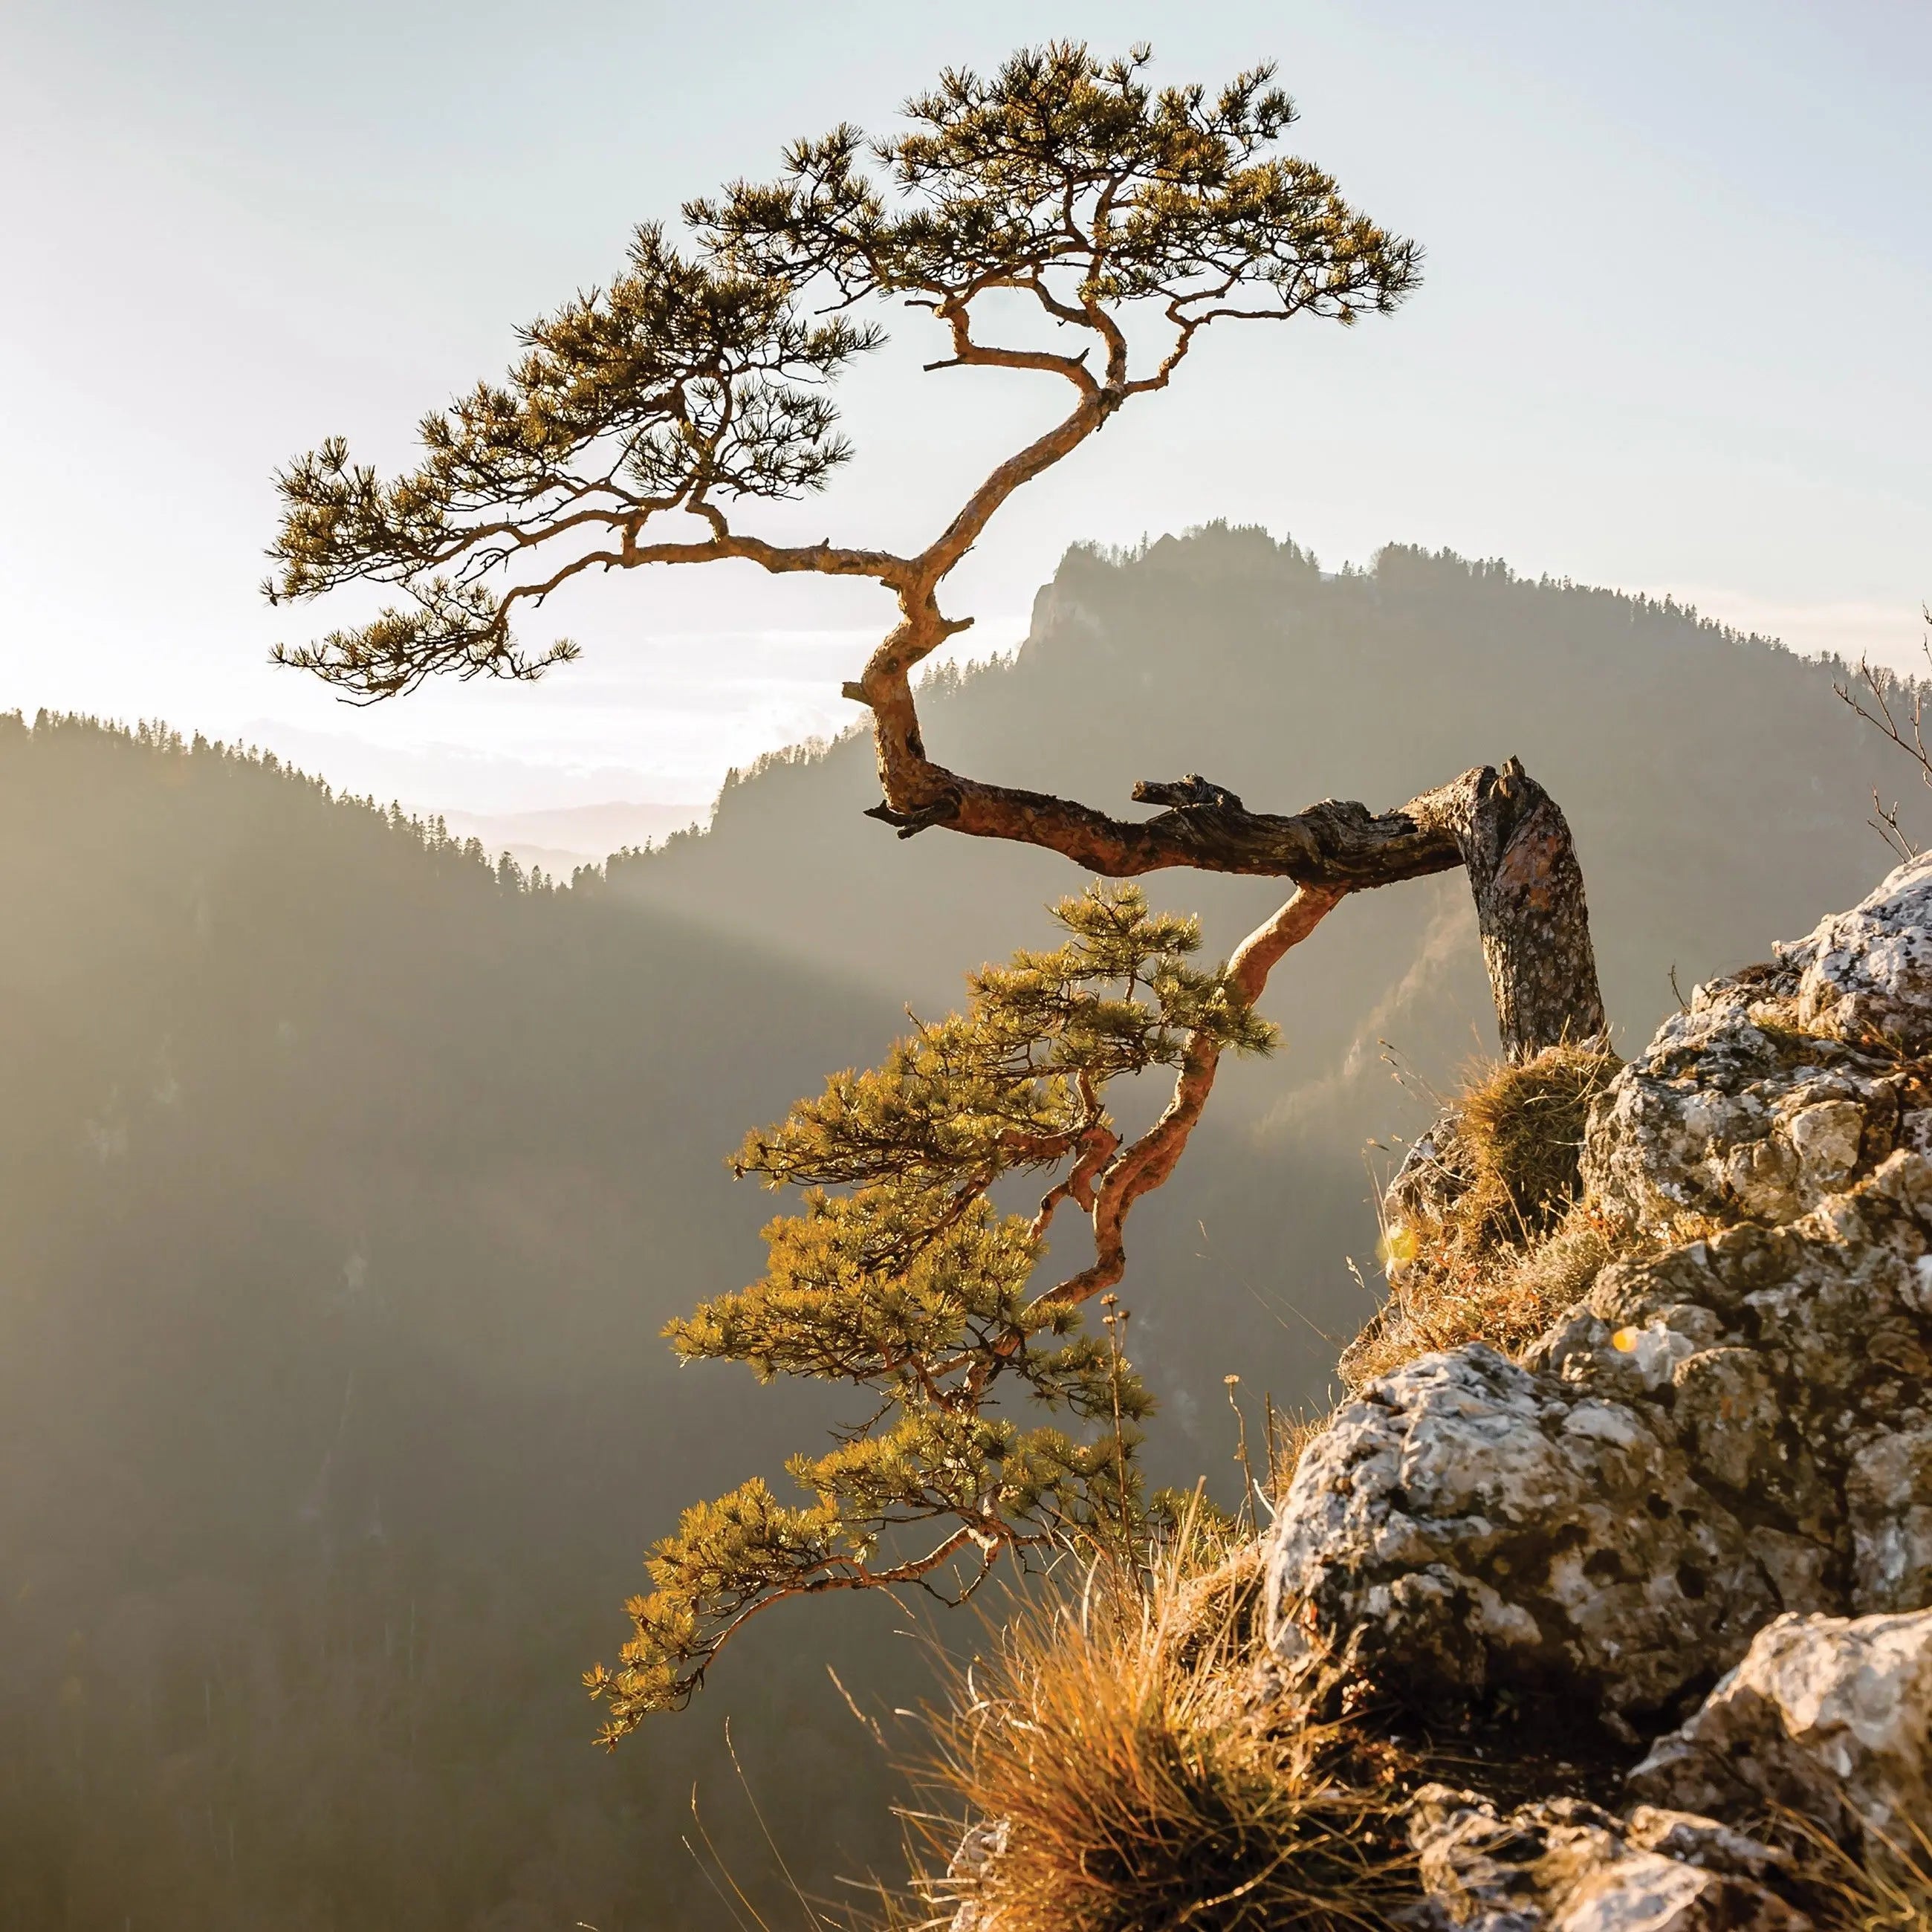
(1573, 1867)
(1730, 1428)
(1469, 1527)
(1829, 1716)
(1867, 973)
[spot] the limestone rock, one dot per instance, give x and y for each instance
(1733, 1112)
(1434, 1175)
(980, 1846)
(1867, 973)
(1569, 1866)
(1829, 1716)
(1793, 1366)
(1738, 1425)
(1467, 1526)
(1785, 1083)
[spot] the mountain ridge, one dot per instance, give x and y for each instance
(331, 1372)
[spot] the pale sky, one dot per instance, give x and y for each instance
(1673, 336)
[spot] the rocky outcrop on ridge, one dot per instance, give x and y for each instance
(1829, 1716)
(1697, 1514)
(1576, 1867)
(1660, 1584)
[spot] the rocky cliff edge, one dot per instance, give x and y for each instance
(1678, 1551)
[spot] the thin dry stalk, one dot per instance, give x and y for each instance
(1888, 1890)
(1290, 1435)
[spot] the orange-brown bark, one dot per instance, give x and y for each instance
(1146, 1163)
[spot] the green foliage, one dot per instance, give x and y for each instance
(678, 383)
(912, 1284)
(696, 381)
(1060, 162)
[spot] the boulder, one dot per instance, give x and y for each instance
(1569, 1866)
(1793, 1367)
(1468, 1527)
(1830, 1716)
(1784, 1083)
(1733, 1113)
(1867, 974)
(1735, 1421)
(980, 1845)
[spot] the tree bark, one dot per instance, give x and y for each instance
(1502, 827)
(1535, 928)
(1515, 846)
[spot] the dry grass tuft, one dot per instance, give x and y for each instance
(1462, 1290)
(1138, 1782)
(1889, 1891)
(1515, 1246)
(1520, 1138)
(1289, 1435)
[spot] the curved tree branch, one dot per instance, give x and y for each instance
(1147, 1162)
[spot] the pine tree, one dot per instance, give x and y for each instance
(899, 1275)
(645, 419)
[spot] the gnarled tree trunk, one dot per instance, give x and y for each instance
(1515, 846)
(1508, 832)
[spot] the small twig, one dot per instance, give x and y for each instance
(1406, 1077)
(1115, 1320)
(1880, 685)
(1886, 825)
(872, 1724)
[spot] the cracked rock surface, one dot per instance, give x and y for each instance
(1735, 1426)
(1475, 1528)
(1867, 973)
(1830, 1716)
(1571, 1867)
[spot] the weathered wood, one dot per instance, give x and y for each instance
(1334, 845)
(1528, 886)
(1535, 925)
(1502, 827)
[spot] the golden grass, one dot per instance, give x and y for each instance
(1890, 1890)
(1289, 1434)
(1117, 1736)
(1458, 1290)
(1517, 1246)
(1521, 1131)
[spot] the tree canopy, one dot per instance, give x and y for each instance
(642, 420)
(644, 415)
(901, 1277)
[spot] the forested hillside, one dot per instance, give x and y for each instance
(344, 1185)
(346, 1182)
(1717, 791)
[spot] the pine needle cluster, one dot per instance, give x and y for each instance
(644, 414)
(899, 1275)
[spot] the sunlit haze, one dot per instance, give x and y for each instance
(1269, 1323)
(1671, 337)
